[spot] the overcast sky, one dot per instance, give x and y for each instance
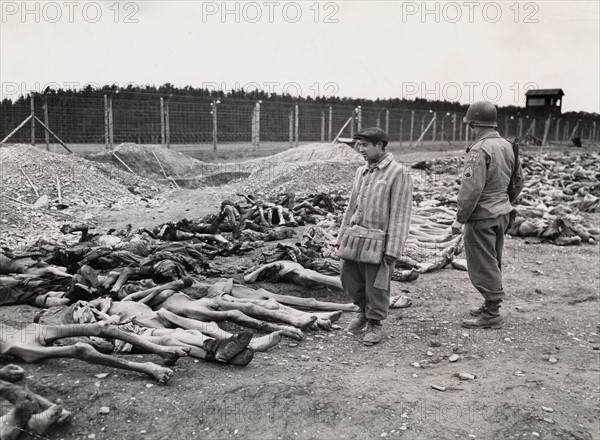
(459, 51)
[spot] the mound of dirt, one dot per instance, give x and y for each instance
(140, 158)
(319, 167)
(316, 152)
(299, 177)
(82, 184)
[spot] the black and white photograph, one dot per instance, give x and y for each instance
(281, 220)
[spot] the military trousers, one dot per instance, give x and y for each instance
(484, 243)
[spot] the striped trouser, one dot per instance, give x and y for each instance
(358, 281)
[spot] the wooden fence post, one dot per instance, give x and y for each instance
(557, 133)
(330, 123)
(434, 132)
(162, 121)
(47, 135)
(546, 130)
(168, 124)
(32, 105)
(453, 127)
(291, 126)
(296, 123)
(110, 124)
(214, 121)
(322, 125)
(401, 127)
(387, 121)
(359, 119)
(412, 128)
(106, 136)
(256, 125)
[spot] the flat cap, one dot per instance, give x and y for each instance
(373, 134)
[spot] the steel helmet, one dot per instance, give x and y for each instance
(482, 114)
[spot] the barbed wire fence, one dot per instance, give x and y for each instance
(189, 124)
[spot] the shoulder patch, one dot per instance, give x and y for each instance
(473, 156)
(468, 173)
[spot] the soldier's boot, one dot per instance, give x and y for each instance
(489, 318)
(358, 323)
(374, 332)
(476, 311)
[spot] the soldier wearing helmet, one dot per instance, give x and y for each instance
(484, 208)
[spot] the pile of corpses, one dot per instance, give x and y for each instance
(560, 191)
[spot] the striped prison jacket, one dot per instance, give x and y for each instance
(382, 199)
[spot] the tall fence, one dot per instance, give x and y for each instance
(109, 119)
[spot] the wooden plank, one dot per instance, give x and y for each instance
(37, 194)
(58, 190)
(53, 134)
(21, 125)
(124, 164)
(425, 130)
(350, 119)
(18, 201)
(160, 165)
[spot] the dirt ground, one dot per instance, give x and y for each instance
(535, 378)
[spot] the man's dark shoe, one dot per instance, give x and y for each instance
(357, 323)
(484, 321)
(488, 318)
(476, 311)
(374, 332)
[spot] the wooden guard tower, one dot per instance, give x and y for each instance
(543, 102)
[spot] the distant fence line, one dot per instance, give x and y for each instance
(115, 118)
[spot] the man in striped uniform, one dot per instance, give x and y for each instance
(381, 199)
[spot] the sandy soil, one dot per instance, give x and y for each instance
(331, 386)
